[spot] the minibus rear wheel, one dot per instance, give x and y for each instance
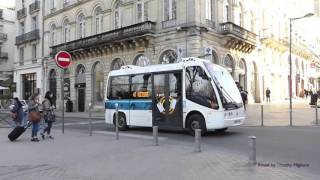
(196, 121)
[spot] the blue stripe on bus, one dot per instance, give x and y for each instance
(133, 104)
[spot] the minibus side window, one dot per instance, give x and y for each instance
(199, 88)
(141, 86)
(119, 88)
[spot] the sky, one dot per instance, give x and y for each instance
(7, 3)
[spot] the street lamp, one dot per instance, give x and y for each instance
(290, 61)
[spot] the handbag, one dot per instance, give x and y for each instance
(50, 117)
(34, 116)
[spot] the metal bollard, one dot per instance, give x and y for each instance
(117, 121)
(316, 109)
(261, 115)
(252, 150)
(90, 119)
(197, 140)
(155, 135)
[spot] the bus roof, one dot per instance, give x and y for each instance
(132, 69)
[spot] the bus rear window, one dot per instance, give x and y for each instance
(119, 88)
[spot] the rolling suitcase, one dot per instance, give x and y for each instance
(17, 131)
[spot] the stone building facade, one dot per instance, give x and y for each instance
(7, 18)
(104, 35)
(28, 63)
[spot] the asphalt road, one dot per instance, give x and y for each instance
(285, 145)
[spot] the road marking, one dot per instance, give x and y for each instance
(139, 136)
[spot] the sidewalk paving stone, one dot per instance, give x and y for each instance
(75, 155)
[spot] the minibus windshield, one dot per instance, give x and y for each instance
(228, 91)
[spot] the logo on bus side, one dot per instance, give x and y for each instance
(161, 105)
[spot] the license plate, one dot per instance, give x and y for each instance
(237, 121)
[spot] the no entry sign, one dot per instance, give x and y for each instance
(63, 59)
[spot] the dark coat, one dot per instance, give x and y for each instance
(19, 110)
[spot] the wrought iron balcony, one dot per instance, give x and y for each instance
(27, 37)
(238, 37)
(107, 38)
(4, 55)
(169, 23)
(21, 13)
(34, 7)
(3, 37)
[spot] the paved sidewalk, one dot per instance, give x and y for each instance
(76, 156)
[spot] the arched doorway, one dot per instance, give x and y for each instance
(254, 83)
(116, 64)
(53, 84)
(169, 56)
(81, 87)
(243, 74)
(97, 83)
(229, 64)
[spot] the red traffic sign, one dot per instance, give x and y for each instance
(63, 59)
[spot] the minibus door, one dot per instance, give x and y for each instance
(167, 99)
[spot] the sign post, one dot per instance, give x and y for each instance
(63, 60)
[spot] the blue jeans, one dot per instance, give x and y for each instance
(48, 128)
(35, 128)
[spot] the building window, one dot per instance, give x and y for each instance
(52, 35)
(142, 11)
(170, 10)
(209, 10)
(66, 31)
(141, 60)
(34, 23)
(29, 85)
(228, 63)
(98, 83)
(21, 54)
(117, 15)
(80, 77)
(81, 26)
(66, 2)
(116, 64)
(22, 29)
(51, 4)
(34, 51)
(168, 56)
(98, 20)
(226, 11)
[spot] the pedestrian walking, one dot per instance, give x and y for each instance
(17, 112)
(34, 115)
(244, 96)
(306, 93)
(48, 114)
(268, 92)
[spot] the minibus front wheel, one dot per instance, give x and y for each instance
(122, 121)
(196, 121)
